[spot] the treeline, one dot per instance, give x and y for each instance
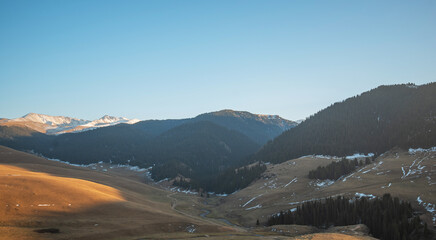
(335, 170)
(228, 181)
(387, 218)
(373, 122)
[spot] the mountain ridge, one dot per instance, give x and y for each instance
(373, 122)
(60, 124)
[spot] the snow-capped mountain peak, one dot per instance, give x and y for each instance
(61, 124)
(107, 120)
(111, 119)
(51, 120)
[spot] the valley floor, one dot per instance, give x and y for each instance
(100, 201)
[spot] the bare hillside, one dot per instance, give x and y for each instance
(38, 194)
(406, 174)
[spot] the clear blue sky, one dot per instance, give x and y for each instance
(174, 59)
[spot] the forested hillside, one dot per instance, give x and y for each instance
(260, 128)
(373, 122)
(197, 150)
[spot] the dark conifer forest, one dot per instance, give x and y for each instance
(387, 218)
(227, 181)
(374, 122)
(335, 170)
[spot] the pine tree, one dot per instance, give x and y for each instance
(387, 218)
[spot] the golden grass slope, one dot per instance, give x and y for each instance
(36, 193)
(39, 127)
(26, 193)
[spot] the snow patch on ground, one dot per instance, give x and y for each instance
(293, 180)
(356, 155)
(413, 151)
(321, 183)
(429, 181)
(319, 156)
(278, 214)
(429, 207)
(272, 184)
(414, 168)
(325, 157)
(163, 180)
(249, 201)
(176, 189)
(359, 155)
(190, 228)
(324, 183)
(95, 166)
(377, 165)
(382, 173)
(345, 178)
(361, 195)
(131, 168)
(257, 206)
(71, 164)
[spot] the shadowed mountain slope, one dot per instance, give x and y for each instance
(375, 121)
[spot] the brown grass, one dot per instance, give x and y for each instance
(26, 193)
(103, 206)
(39, 127)
(273, 194)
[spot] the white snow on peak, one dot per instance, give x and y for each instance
(51, 120)
(106, 120)
(133, 121)
(61, 124)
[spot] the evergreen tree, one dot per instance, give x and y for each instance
(335, 170)
(387, 218)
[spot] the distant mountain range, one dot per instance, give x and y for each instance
(198, 148)
(59, 124)
(374, 122)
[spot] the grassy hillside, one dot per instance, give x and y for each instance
(286, 185)
(83, 204)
